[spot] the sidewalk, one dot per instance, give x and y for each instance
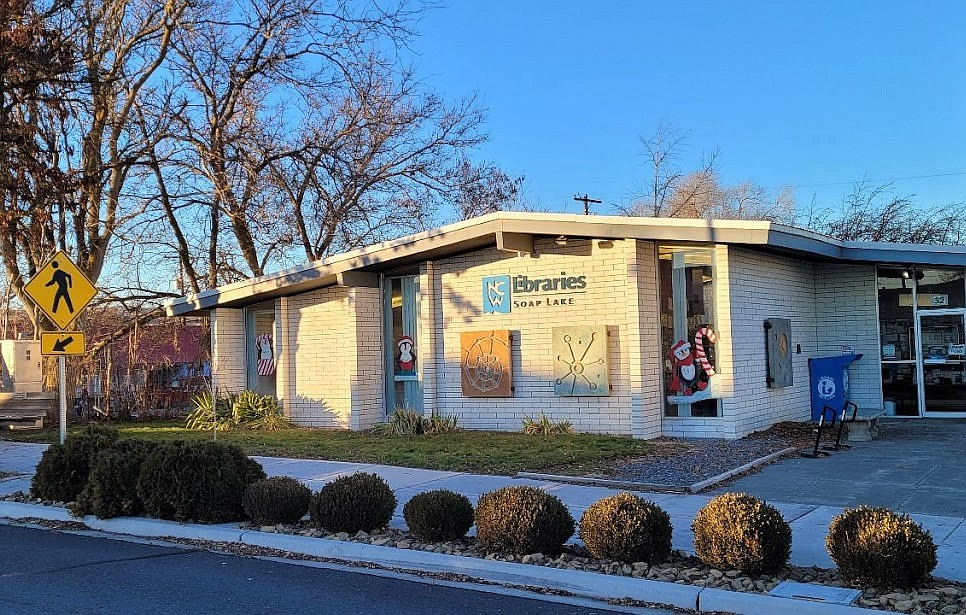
(809, 522)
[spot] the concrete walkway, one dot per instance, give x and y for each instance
(809, 521)
(914, 466)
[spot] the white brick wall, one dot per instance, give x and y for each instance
(330, 341)
(644, 343)
(762, 286)
(612, 269)
(847, 314)
(366, 367)
(228, 374)
(321, 344)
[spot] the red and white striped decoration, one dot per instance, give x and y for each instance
(265, 365)
(699, 351)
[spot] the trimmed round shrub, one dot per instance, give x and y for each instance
(358, 502)
(626, 528)
(522, 520)
(201, 481)
(880, 548)
(63, 468)
(112, 486)
(278, 499)
(738, 531)
(438, 516)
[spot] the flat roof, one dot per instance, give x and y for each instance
(515, 231)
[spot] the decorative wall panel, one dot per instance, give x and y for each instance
(778, 342)
(580, 365)
(486, 369)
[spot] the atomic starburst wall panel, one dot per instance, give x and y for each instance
(580, 365)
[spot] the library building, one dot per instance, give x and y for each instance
(640, 326)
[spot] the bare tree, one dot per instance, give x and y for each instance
(671, 192)
(289, 131)
(81, 117)
(37, 59)
(872, 212)
(483, 189)
(375, 163)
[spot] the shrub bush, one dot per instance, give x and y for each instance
(210, 412)
(279, 499)
(544, 426)
(407, 422)
(439, 423)
(352, 503)
(112, 485)
(522, 520)
(402, 422)
(627, 528)
(63, 468)
(440, 515)
(881, 548)
(203, 481)
(738, 531)
(246, 410)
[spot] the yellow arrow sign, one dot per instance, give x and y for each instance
(60, 290)
(62, 343)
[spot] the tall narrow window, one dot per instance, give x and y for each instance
(688, 330)
(402, 351)
(261, 344)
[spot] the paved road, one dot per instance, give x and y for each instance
(44, 572)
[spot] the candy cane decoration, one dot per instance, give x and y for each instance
(699, 351)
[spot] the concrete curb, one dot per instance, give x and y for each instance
(576, 582)
(603, 482)
(754, 463)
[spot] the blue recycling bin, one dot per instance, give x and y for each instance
(829, 382)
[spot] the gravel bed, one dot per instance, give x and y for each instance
(702, 459)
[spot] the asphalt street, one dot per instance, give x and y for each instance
(47, 572)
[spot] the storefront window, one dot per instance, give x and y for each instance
(896, 318)
(924, 374)
(261, 343)
(688, 330)
(940, 288)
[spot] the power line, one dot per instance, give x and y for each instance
(856, 181)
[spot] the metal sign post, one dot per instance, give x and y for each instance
(61, 291)
(62, 385)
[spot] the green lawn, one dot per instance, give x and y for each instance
(482, 452)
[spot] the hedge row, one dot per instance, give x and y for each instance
(214, 482)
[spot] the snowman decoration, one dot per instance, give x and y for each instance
(406, 357)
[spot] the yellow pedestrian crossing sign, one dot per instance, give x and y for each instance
(60, 290)
(62, 343)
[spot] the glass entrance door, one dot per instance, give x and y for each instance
(942, 336)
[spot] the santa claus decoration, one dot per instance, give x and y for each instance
(686, 373)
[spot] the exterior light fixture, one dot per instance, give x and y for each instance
(561, 240)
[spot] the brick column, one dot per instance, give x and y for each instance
(228, 374)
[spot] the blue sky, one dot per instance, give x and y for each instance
(800, 93)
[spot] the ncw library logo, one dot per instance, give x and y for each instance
(496, 294)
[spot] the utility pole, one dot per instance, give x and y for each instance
(586, 201)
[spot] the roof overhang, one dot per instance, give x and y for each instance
(515, 232)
